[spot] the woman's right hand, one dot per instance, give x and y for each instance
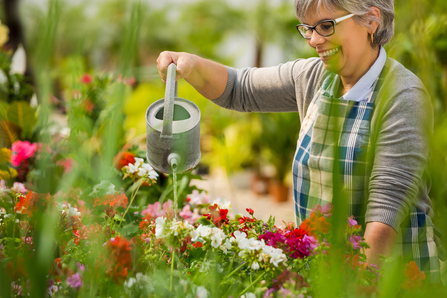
(184, 62)
(207, 77)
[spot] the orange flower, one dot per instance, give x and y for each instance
(120, 259)
(414, 277)
(145, 222)
(112, 200)
(315, 224)
(125, 159)
(27, 205)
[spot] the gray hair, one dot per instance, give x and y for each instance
(360, 8)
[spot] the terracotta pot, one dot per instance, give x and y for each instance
(279, 191)
(259, 184)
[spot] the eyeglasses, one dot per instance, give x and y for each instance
(324, 28)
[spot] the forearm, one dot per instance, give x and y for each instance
(209, 78)
(381, 239)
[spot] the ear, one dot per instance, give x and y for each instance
(374, 11)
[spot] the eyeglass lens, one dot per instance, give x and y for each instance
(324, 29)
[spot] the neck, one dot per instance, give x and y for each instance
(348, 80)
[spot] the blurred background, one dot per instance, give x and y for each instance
(244, 157)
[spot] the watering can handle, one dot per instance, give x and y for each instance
(170, 94)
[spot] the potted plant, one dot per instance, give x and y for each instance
(279, 136)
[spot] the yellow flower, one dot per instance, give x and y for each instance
(13, 172)
(5, 155)
(4, 34)
(4, 175)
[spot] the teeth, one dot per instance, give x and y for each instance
(330, 52)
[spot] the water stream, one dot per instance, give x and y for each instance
(174, 178)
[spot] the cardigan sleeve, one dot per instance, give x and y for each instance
(403, 125)
(282, 88)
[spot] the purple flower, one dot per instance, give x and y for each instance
(355, 240)
(352, 222)
(80, 267)
(269, 293)
(75, 281)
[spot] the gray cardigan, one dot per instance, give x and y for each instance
(402, 123)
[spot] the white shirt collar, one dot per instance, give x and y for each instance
(362, 89)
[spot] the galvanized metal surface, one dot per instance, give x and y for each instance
(173, 129)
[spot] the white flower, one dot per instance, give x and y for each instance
(249, 295)
(216, 240)
(238, 236)
(51, 290)
(138, 162)
(177, 226)
(130, 282)
(160, 227)
(250, 244)
(204, 231)
(131, 168)
(201, 292)
(278, 257)
(222, 203)
(255, 265)
(226, 246)
(141, 172)
(195, 234)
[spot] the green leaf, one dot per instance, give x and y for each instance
(21, 113)
(4, 110)
(9, 133)
(129, 230)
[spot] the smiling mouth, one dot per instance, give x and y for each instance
(329, 53)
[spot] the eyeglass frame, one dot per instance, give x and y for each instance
(314, 28)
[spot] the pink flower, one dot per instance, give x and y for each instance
(156, 210)
(19, 188)
(352, 222)
(66, 163)
(188, 215)
(75, 281)
(355, 240)
(22, 151)
(186, 212)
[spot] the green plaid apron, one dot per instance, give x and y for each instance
(327, 119)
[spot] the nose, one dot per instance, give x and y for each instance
(316, 39)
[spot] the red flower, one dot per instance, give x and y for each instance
(125, 159)
(414, 277)
(250, 211)
(219, 217)
(86, 79)
(197, 244)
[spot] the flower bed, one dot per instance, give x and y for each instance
(100, 249)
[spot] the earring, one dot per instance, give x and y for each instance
(372, 37)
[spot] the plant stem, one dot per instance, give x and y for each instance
(256, 280)
(234, 271)
(172, 269)
(131, 201)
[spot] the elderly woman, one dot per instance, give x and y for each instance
(353, 101)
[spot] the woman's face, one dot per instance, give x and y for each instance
(344, 51)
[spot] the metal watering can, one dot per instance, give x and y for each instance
(173, 130)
